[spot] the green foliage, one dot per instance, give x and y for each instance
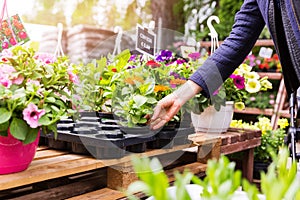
(271, 142)
(226, 12)
(221, 180)
(281, 182)
(134, 97)
(150, 173)
(92, 94)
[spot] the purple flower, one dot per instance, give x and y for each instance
(164, 55)
(175, 75)
(131, 67)
(32, 114)
(238, 81)
(180, 61)
(132, 58)
(194, 56)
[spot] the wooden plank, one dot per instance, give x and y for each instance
(66, 191)
(195, 168)
(105, 193)
(63, 165)
(247, 164)
(47, 171)
(240, 146)
(48, 154)
(271, 75)
(255, 111)
(209, 151)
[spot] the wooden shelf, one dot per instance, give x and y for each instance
(271, 75)
(264, 42)
(256, 111)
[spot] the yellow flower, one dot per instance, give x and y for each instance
(253, 86)
(239, 105)
(252, 75)
(283, 123)
(264, 124)
(265, 84)
(245, 67)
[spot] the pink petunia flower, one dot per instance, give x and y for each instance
(5, 81)
(32, 114)
(72, 76)
(238, 81)
(45, 58)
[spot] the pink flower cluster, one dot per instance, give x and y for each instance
(9, 77)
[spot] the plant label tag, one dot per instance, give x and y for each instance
(265, 52)
(186, 50)
(145, 40)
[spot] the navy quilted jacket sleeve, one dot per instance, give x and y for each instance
(248, 25)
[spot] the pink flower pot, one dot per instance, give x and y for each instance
(14, 155)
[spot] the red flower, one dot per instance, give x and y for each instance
(22, 35)
(114, 70)
(153, 64)
(275, 57)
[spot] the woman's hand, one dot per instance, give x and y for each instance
(170, 105)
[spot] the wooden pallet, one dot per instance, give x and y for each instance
(55, 174)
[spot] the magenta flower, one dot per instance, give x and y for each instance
(5, 81)
(194, 56)
(238, 81)
(32, 114)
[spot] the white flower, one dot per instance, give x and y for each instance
(253, 86)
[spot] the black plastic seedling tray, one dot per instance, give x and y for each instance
(103, 138)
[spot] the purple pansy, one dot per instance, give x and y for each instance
(164, 55)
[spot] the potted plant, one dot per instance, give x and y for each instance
(141, 83)
(35, 93)
(233, 93)
(271, 141)
(222, 181)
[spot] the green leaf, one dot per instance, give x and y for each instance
(18, 129)
(151, 100)
(45, 121)
(31, 136)
(3, 133)
(5, 115)
(4, 126)
(139, 100)
(50, 99)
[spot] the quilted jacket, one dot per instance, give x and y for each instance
(277, 15)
